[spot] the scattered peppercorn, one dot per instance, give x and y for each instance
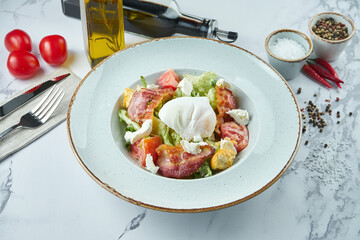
(325, 146)
(299, 90)
(315, 95)
(327, 108)
(315, 116)
(328, 29)
(338, 122)
(337, 99)
(350, 114)
(306, 142)
(304, 129)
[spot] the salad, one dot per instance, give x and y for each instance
(187, 127)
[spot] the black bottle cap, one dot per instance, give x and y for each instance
(232, 36)
(225, 36)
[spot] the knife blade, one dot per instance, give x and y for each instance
(13, 104)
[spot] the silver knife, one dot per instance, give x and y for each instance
(13, 104)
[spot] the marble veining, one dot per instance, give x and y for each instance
(211, 221)
(7, 91)
(5, 190)
(318, 198)
(134, 223)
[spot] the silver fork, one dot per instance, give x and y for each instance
(41, 113)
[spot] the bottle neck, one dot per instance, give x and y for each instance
(203, 27)
(195, 26)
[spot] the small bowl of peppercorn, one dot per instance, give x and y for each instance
(330, 33)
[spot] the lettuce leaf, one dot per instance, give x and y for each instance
(212, 98)
(212, 143)
(131, 125)
(179, 93)
(204, 171)
(175, 137)
(202, 83)
(168, 135)
(160, 129)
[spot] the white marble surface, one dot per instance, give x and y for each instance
(45, 194)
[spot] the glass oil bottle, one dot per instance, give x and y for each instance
(103, 28)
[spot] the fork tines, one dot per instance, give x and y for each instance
(48, 104)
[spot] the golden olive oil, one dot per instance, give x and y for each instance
(103, 27)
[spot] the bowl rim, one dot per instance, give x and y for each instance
(293, 31)
(332, 41)
(178, 210)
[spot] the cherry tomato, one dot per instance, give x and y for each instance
(169, 79)
(18, 40)
(22, 64)
(53, 49)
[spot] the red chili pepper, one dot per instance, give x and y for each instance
(325, 74)
(311, 72)
(326, 65)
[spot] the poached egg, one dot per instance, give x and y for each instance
(191, 117)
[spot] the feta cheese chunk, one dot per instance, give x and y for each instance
(152, 86)
(150, 166)
(223, 84)
(144, 131)
(240, 116)
(193, 148)
(186, 86)
(197, 138)
(149, 86)
(226, 144)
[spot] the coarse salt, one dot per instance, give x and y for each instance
(287, 49)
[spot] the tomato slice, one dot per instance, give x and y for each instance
(144, 147)
(237, 133)
(169, 79)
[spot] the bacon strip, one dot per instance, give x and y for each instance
(225, 102)
(144, 101)
(174, 162)
(237, 133)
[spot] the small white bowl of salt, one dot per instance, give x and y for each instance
(287, 51)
